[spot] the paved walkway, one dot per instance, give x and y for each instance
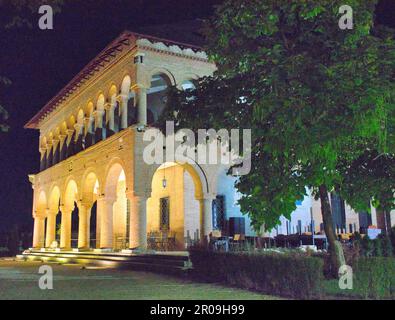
(19, 280)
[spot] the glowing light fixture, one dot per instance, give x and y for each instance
(164, 181)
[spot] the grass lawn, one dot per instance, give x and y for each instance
(19, 280)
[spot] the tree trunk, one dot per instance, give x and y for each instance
(335, 249)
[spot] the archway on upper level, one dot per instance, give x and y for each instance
(157, 96)
(174, 210)
(130, 96)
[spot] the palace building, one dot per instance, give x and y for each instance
(94, 189)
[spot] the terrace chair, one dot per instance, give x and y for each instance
(238, 240)
(218, 242)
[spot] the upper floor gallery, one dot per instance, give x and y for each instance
(124, 85)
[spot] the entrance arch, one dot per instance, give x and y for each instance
(89, 226)
(115, 228)
(68, 210)
(52, 215)
(175, 208)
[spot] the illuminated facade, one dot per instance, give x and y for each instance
(94, 190)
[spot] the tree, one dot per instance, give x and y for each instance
(319, 101)
(17, 14)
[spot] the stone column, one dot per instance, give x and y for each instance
(106, 232)
(43, 151)
(98, 114)
(51, 228)
(110, 111)
(124, 111)
(65, 231)
(138, 222)
(83, 225)
(87, 125)
(38, 233)
(55, 143)
(49, 147)
(49, 153)
(100, 211)
(141, 97)
(62, 138)
(79, 129)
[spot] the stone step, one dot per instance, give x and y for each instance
(158, 263)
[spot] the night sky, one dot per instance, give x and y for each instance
(40, 63)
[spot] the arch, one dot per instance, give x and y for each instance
(112, 93)
(57, 132)
(177, 205)
(163, 71)
(156, 96)
(100, 102)
(80, 116)
(197, 179)
(44, 141)
(126, 84)
(63, 128)
(90, 185)
(89, 108)
(70, 194)
(54, 199)
(71, 122)
(113, 173)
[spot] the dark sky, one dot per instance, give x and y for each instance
(40, 63)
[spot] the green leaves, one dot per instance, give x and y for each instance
(319, 100)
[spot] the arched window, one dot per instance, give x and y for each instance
(156, 97)
(100, 131)
(187, 85)
(71, 146)
(79, 141)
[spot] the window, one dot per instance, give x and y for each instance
(219, 213)
(338, 212)
(157, 97)
(164, 223)
(365, 220)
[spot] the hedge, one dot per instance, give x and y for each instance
(287, 275)
(374, 277)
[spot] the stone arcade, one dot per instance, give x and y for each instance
(94, 189)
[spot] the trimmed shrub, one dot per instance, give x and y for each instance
(367, 247)
(375, 277)
(291, 275)
(378, 247)
(387, 247)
